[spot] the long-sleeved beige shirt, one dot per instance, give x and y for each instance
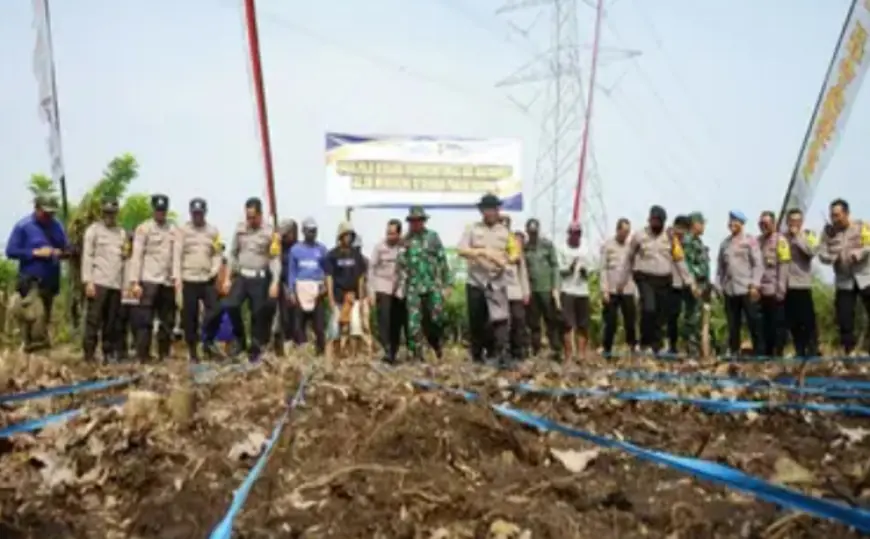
(739, 265)
(613, 268)
(804, 247)
(103, 255)
(848, 251)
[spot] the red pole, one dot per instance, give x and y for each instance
(584, 145)
(262, 112)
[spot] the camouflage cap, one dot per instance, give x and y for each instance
(47, 203)
(417, 213)
(697, 217)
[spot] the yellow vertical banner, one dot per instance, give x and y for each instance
(841, 86)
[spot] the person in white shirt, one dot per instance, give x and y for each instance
(574, 264)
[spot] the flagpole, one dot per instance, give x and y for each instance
(64, 199)
(831, 66)
(587, 122)
(262, 109)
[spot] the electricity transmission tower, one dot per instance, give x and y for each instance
(562, 121)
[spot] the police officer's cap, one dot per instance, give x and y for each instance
(109, 205)
(657, 212)
(489, 202)
(309, 224)
(697, 217)
(159, 202)
(198, 205)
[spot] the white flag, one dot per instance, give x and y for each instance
(840, 89)
(43, 68)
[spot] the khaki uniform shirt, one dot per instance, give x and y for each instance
(103, 255)
(613, 268)
(153, 249)
(197, 255)
(254, 251)
(848, 251)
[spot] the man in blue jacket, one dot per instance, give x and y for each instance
(38, 242)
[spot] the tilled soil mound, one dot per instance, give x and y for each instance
(369, 454)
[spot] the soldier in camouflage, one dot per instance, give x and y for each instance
(427, 280)
(697, 258)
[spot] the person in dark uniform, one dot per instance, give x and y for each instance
(38, 242)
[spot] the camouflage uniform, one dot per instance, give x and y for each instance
(697, 258)
(423, 267)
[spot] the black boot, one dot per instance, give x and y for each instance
(193, 353)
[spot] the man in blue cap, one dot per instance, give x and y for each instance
(38, 242)
(738, 275)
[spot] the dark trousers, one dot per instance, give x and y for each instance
(845, 303)
(736, 309)
(101, 322)
(485, 335)
(626, 305)
(675, 310)
(123, 329)
(158, 301)
(317, 319)
(773, 328)
(517, 338)
(255, 292)
(194, 294)
(800, 313)
(655, 299)
(541, 307)
(285, 328)
(392, 316)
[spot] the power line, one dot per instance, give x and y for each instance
(662, 103)
(387, 63)
(675, 75)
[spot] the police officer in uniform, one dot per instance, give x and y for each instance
(102, 274)
(799, 307)
(738, 272)
(255, 266)
(152, 279)
(197, 261)
(776, 257)
(485, 244)
(652, 256)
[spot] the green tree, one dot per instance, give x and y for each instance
(41, 185)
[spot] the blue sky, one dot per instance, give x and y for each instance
(709, 118)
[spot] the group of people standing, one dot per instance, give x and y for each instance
(765, 281)
(520, 284)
